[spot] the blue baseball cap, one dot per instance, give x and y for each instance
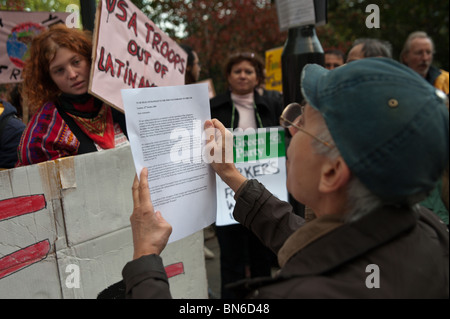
(390, 125)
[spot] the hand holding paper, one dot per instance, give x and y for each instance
(165, 127)
(220, 140)
(151, 231)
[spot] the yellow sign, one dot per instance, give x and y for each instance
(274, 78)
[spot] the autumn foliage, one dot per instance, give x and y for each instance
(218, 28)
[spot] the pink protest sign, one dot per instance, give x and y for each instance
(17, 29)
(130, 51)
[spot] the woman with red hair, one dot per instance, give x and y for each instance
(66, 120)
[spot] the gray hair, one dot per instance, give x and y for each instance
(411, 37)
(361, 200)
(374, 47)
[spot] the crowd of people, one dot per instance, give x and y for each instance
(356, 177)
(368, 155)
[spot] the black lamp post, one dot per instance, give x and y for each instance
(302, 47)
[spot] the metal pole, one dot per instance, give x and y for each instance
(301, 48)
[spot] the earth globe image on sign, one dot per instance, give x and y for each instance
(19, 41)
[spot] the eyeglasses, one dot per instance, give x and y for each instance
(293, 116)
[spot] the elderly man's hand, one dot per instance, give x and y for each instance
(151, 231)
(219, 153)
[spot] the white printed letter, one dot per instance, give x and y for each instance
(181, 150)
(72, 21)
(73, 280)
(373, 20)
(373, 280)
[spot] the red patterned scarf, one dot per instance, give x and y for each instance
(92, 116)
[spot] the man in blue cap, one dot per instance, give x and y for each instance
(370, 142)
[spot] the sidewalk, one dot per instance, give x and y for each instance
(213, 267)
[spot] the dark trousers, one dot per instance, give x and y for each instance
(240, 248)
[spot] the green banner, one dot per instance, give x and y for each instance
(252, 145)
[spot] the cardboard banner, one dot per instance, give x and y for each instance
(17, 29)
(130, 51)
(258, 155)
(65, 230)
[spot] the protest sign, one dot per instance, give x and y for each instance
(296, 13)
(17, 29)
(274, 76)
(258, 155)
(130, 51)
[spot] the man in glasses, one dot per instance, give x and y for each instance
(369, 144)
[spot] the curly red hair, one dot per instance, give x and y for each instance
(38, 86)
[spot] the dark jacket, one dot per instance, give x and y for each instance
(407, 250)
(11, 129)
(410, 249)
(269, 106)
